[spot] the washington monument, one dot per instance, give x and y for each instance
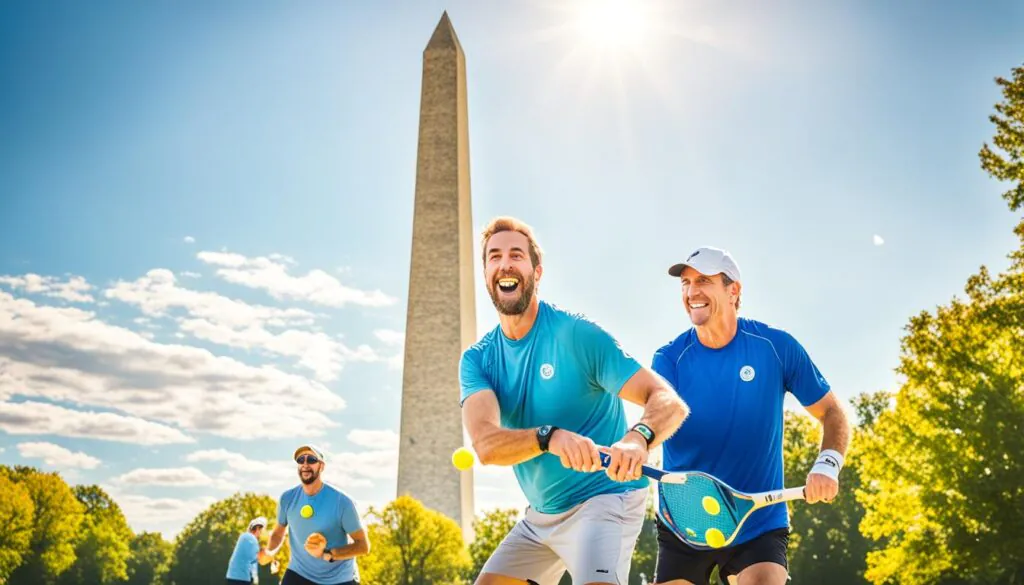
(441, 316)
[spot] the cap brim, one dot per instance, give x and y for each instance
(676, 269)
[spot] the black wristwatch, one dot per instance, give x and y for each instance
(645, 431)
(544, 436)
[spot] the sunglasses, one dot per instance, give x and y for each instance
(303, 459)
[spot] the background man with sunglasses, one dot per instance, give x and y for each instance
(325, 532)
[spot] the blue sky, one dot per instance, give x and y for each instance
(206, 210)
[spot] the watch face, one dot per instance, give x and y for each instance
(544, 430)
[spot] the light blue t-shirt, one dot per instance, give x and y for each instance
(242, 566)
(735, 394)
(567, 372)
(334, 516)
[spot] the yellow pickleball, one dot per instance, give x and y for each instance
(714, 537)
(462, 458)
(711, 505)
(306, 511)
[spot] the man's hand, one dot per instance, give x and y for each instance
(263, 557)
(820, 488)
(627, 458)
(315, 544)
(576, 451)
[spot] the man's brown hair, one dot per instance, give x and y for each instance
(511, 224)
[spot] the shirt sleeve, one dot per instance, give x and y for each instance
(350, 520)
(282, 511)
(604, 360)
(664, 367)
(251, 547)
(802, 378)
(471, 374)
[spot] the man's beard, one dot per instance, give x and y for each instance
(313, 476)
(517, 306)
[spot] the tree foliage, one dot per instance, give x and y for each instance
(150, 559)
(17, 513)
(413, 545)
(1006, 162)
(55, 524)
(102, 550)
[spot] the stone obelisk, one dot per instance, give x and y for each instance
(441, 315)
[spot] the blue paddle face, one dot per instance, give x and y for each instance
(701, 511)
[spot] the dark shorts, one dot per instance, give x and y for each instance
(676, 560)
(238, 582)
(293, 578)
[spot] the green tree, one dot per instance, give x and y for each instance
(150, 559)
(16, 517)
(101, 553)
(413, 545)
(1009, 138)
(945, 499)
(489, 531)
(56, 522)
(204, 546)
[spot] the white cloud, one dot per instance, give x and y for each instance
(67, 354)
(190, 274)
(72, 290)
(157, 293)
(386, 439)
(225, 321)
(173, 477)
(57, 456)
(877, 239)
(271, 274)
(390, 337)
(40, 418)
(189, 240)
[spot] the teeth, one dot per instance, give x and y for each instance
(508, 281)
(698, 305)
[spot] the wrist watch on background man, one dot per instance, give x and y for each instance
(644, 431)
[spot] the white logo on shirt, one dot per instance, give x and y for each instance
(547, 371)
(746, 373)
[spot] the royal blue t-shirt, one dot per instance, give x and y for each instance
(567, 372)
(334, 515)
(735, 394)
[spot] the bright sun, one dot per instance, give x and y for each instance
(612, 24)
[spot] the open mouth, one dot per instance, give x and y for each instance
(508, 284)
(698, 305)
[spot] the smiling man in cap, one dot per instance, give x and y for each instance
(325, 533)
(734, 373)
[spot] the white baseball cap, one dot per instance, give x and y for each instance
(709, 261)
(310, 447)
(260, 521)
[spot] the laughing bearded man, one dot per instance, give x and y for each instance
(543, 392)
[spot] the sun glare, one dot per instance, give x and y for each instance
(612, 24)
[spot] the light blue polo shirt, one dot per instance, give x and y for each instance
(242, 566)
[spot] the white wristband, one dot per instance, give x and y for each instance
(829, 463)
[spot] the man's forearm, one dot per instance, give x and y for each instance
(836, 431)
(664, 412)
(274, 543)
(499, 446)
(350, 550)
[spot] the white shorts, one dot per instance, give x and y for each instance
(594, 541)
